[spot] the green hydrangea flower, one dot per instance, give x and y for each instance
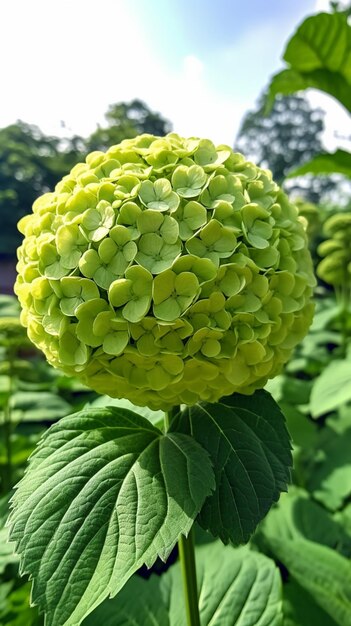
(335, 267)
(166, 271)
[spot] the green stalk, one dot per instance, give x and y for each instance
(186, 549)
(188, 566)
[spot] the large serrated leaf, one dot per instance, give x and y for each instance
(250, 450)
(322, 572)
(105, 492)
(155, 417)
(319, 56)
(237, 587)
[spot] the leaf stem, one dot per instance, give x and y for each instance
(188, 566)
(186, 549)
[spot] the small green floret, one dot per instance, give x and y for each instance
(166, 271)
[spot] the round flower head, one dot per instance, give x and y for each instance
(166, 271)
(335, 267)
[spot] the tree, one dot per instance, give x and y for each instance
(285, 138)
(127, 120)
(30, 164)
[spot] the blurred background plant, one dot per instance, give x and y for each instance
(308, 533)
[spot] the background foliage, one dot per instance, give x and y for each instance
(285, 138)
(297, 565)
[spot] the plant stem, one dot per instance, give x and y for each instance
(187, 563)
(186, 549)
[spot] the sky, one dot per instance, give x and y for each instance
(200, 63)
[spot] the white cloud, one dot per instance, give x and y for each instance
(196, 109)
(193, 69)
(67, 61)
(73, 62)
(337, 120)
(322, 5)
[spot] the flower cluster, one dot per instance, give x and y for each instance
(166, 271)
(335, 267)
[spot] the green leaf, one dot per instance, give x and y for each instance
(21, 447)
(7, 555)
(328, 469)
(105, 493)
(326, 315)
(324, 573)
(17, 611)
(292, 394)
(338, 162)
(249, 447)
(297, 516)
(292, 390)
(9, 306)
(5, 589)
(318, 56)
(340, 422)
(7, 549)
(332, 388)
(237, 587)
(155, 417)
(344, 518)
(303, 430)
(300, 609)
(33, 406)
